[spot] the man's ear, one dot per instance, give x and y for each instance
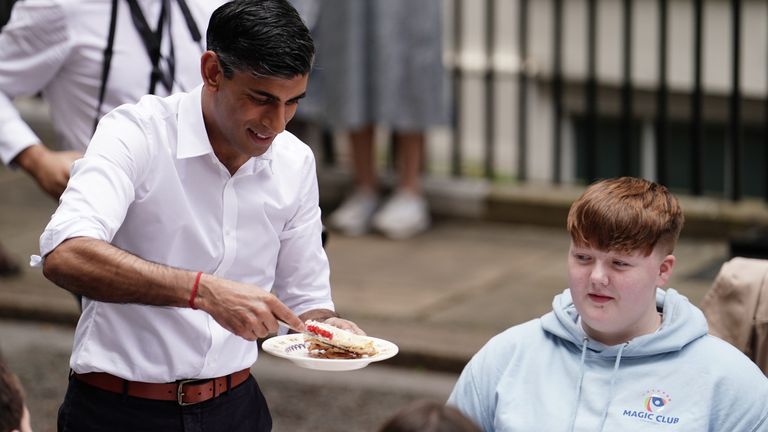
(210, 69)
(665, 270)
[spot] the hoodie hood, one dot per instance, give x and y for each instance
(681, 324)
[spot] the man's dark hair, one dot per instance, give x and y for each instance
(265, 38)
(11, 399)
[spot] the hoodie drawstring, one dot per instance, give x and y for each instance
(579, 381)
(613, 380)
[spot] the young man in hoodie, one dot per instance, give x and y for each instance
(617, 352)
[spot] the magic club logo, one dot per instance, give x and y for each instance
(655, 402)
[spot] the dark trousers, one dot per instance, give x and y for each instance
(87, 408)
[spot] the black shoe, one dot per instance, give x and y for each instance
(8, 266)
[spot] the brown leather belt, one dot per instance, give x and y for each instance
(185, 392)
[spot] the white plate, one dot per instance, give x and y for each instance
(292, 347)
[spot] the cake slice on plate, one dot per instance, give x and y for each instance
(326, 341)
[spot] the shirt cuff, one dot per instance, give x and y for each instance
(53, 237)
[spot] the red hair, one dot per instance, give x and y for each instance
(626, 214)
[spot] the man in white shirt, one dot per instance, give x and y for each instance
(190, 227)
(59, 48)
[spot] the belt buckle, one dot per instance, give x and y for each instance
(180, 392)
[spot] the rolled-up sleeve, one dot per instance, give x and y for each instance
(102, 185)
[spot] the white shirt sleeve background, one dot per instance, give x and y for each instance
(56, 48)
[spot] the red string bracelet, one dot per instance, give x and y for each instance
(194, 291)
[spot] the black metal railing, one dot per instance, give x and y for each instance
(662, 94)
(685, 161)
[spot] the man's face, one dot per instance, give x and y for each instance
(249, 111)
(614, 293)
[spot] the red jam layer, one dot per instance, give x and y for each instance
(320, 332)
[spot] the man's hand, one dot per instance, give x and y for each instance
(345, 325)
(245, 310)
(331, 318)
(49, 168)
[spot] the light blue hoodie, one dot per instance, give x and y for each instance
(547, 375)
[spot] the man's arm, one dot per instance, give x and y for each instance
(49, 168)
(100, 271)
(33, 47)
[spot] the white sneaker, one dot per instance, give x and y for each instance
(353, 217)
(403, 216)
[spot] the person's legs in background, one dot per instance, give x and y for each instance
(354, 215)
(406, 213)
(385, 70)
(364, 159)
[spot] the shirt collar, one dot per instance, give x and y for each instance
(192, 137)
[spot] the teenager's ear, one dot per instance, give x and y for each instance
(210, 69)
(665, 270)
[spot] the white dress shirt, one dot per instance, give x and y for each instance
(57, 47)
(151, 185)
